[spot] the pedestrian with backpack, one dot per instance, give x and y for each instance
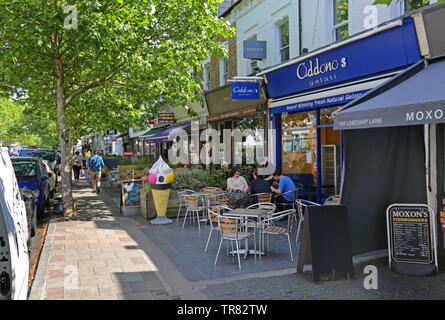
(95, 166)
(77, 165)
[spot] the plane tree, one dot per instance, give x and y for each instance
(102, 63)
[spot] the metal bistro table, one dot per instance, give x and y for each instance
(248, 213)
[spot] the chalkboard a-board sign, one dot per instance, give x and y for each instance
(411, 238)
(130, 194)
(325, 242)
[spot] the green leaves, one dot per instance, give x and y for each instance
(122, 57)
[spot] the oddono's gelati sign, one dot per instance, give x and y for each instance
(245, 90)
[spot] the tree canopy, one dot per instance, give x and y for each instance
(96, 64)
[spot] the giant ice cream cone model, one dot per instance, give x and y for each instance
(161, 176)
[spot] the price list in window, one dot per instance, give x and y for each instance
(410, 235)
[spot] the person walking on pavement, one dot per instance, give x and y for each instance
(95, 166)
(77, 165)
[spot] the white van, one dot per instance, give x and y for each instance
(14, 255)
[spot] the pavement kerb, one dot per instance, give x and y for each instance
(39, 283)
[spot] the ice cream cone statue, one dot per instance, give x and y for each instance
(161, 176)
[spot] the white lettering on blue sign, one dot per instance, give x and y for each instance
(314, 69)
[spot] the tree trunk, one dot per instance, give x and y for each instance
(67, 196)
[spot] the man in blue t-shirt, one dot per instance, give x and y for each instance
(285, 185)
(95, 166)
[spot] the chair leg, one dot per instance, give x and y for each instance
(290, 248)
(237, 251)
(208, 240)
(246, 248)
(197, 217)
(185, 218)
(219, 247)
(298, 231)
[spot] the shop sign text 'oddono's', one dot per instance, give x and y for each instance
(387, 50)
(245, 90)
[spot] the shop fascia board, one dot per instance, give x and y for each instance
(364, 84)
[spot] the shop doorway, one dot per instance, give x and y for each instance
(303, 136)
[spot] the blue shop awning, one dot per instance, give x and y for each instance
(413, 97)
(162, 137)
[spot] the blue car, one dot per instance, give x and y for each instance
(31, 174)
(44, 154)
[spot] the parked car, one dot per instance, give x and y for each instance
(14, 236)
(31, 174)
(30, 200)
(52, 179)
(44, 154)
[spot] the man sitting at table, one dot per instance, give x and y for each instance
(284, 186)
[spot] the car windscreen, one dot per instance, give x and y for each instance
(25, 169)
(42, 154)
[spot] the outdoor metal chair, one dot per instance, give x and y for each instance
(181, 199)
(214, 213)
(269, 228)
(211, 189)
(301, 207)
(224, 199)
(192, 205)
(231, 230)
(262, 197)
(332, 200)
(114, 183)
(291, 204)
(268, 208)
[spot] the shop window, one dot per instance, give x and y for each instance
(299, 143)
(411, 5)
(283, 31)
(340, 23)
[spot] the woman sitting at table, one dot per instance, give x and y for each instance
(236, 183)
(238, 189)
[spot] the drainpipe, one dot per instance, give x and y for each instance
(300, 32)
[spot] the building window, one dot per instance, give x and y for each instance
(412, 5)
(224, 72)
(206, 77)
(283, 33)
(224, 68)
(340, 23)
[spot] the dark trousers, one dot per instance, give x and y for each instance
(282, 204)
(76, 170)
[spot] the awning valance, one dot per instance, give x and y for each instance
(162, 137)
(151, 132)
(415, 96)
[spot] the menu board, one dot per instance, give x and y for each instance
(131, 196)
(410, 234)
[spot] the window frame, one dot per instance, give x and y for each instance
(337, 26)
(224, 68)
(281, 48)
